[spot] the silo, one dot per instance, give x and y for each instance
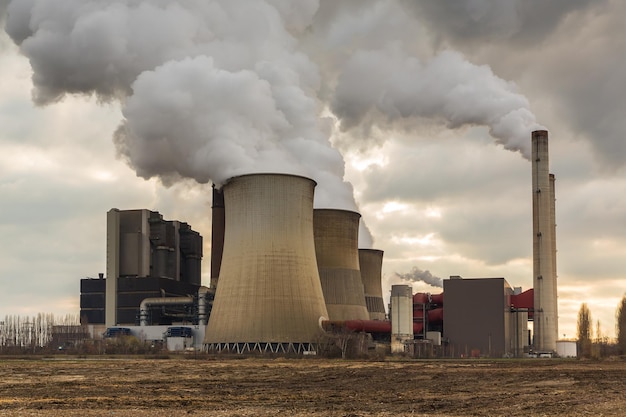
(544, 247)
(401, 315)
(269, 297)
(370, 264)
(337, 250)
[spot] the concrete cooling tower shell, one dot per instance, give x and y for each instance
(371, 264)
(269, 297)
(337, 250)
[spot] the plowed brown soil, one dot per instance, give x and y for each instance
(311, 387)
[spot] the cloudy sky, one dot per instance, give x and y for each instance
(417, 113)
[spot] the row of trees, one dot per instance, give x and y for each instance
(601, 346)
(32, 332)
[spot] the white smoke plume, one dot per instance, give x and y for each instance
(213, 89)
(417, 275)
(389, 87)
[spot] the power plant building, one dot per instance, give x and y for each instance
(147, 256)
(478, 318)
(269, 297)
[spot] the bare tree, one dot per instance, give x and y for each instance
(584, 331)
(620, 324)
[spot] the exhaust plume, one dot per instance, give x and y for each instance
(214, 89)
(417, 275)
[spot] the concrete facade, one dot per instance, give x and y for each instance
(337, 252)
(269, 296)
(370, 264)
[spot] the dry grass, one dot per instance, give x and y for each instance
(310, 387)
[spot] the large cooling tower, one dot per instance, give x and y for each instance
(371, 263)
(337, 250)
(545, 316)
(269, 296)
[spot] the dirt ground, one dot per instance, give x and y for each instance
(310, 387)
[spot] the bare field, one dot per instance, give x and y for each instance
(310, 387)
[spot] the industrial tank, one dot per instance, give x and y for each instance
(401, 315)
(337, 249)
(269, 296)
(371, 263)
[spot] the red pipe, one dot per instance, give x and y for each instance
(420, 298)
(436, 299)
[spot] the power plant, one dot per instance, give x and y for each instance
(285, 275)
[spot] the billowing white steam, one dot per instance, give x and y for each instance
(212, 89)
(389, 87)
(417, 275)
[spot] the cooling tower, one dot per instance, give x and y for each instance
(269, 296)
(544, 247)
(337, 250)
(371, 263)
(217, 234)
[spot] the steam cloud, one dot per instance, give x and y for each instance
(416, 275)
(213, 89)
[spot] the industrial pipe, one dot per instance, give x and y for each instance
(168, 301)
(202, 306)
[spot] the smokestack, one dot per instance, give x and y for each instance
(371, 263)
(544, 246)
(337, 250)
(269, 297)
(217, 234)
(554, 273)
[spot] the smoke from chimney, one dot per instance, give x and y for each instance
(417, 275)
(214, 89)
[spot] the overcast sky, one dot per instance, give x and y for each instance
(417, 113)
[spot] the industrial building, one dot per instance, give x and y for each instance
(283, 272)
(479, 319)
(336, 234)
(147, 257)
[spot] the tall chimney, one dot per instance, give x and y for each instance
(217, 234)
(337, 250)
(544, 247)
(269, 297)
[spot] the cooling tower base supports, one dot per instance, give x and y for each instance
(261, 347)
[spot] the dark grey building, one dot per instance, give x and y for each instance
(147, 257)
(478, 319)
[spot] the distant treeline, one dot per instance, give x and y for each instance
(32, 331)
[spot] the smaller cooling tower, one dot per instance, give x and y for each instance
(337, 250)
(217, 234)
(269, 297)
(371, 263)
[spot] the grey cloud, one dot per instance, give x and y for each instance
(487, 21)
